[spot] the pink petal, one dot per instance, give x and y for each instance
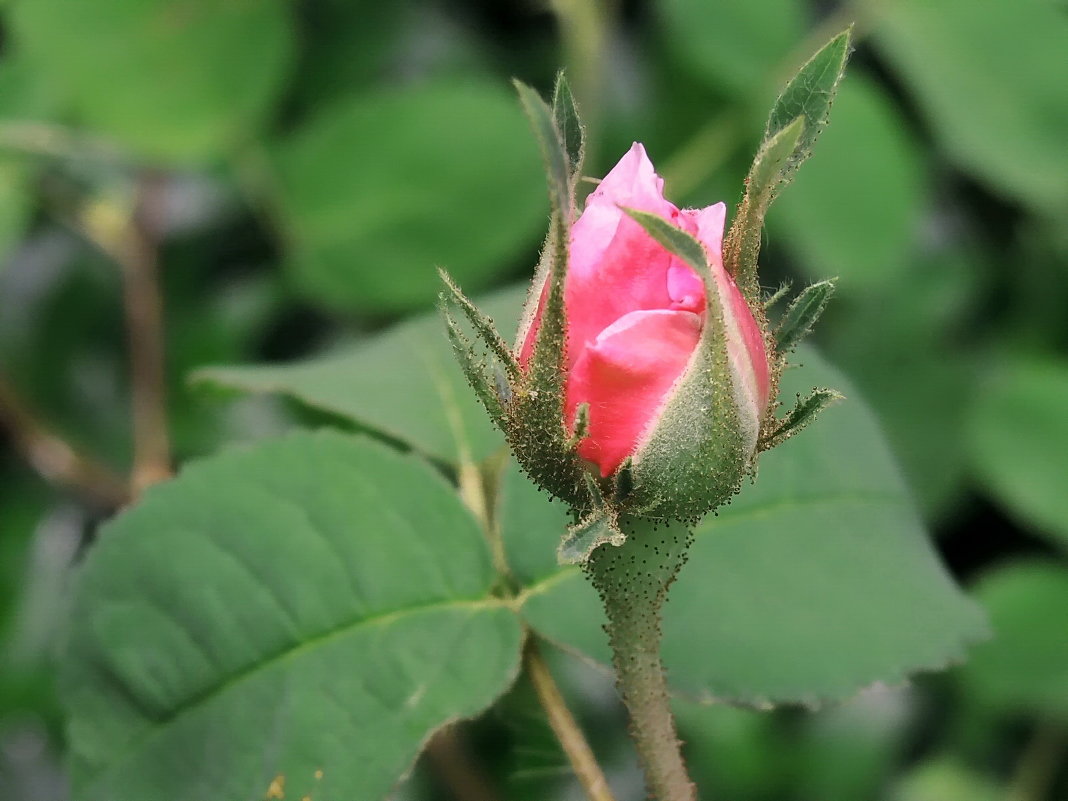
(625, 375)
(615, 267)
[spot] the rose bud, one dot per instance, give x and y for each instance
(667, 367)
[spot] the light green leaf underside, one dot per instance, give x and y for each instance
(317, 603)
(1000, 113)
(404, 383)
(1025, 666)
(814, 582)
(1017, 437)
(173, 79)
(377, 190)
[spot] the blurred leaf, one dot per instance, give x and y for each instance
(736, 46)
(848, 751)
(1025, 665)
(404, 383)
(902, 346)
(946, 779)
(380, 189)
(303, 612)
(992, 85)
(855, 208)
(735, 753)
(814, 582)
(170, 79)
(23, 97)
(1018, 437)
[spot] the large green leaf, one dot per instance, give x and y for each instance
(814, 582)
(307, 611)
(854, 211)
(1025, 666)
(991, 82)
(736, 46)
(172, 79)
(1018, 437)
(379, 189)
(404, 383)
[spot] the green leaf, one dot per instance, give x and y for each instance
(312, 608)
(736, 46)
(946, 779)
(484, 327)
(802, 314)
(404, 383)
(768, 172)
(477, 371)
(801, 415)
(814, 582)
(1017, 435)
(856, 209)
(1025, 666)
(378, 189)
(553, 149)
(809, 94)
(741, 248)
(991, 87)
(170, 79)
(569, 125)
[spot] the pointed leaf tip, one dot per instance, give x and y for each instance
(568, 123)
(802, 313)
(672, 238)
(804, 412)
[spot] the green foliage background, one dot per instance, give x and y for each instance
(310, 162)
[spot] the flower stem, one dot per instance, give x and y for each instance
(633, 581)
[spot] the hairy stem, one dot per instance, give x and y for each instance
(633, 581)
(563, 724)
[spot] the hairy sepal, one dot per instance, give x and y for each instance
(697, 451)
(802, 314)
(804, 412)
(534, 417)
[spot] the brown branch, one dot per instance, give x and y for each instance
(56, 460)
(131, 239)
(563, 724)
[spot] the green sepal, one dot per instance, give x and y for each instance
(569, 124)
(772, 300)
(480, 376)
(483, 326)
(581, 429)
(809, 94)
(802, 314)
(535, 415)
(551, 144)
(741, 249)
(803, 413)
(598, 528)
(698, 453)
(673, 238)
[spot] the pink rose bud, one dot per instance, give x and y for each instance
(635, 314)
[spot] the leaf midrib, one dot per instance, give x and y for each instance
(157, 726)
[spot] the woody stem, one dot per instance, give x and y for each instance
(633, 580)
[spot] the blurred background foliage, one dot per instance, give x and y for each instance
(284, 175)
